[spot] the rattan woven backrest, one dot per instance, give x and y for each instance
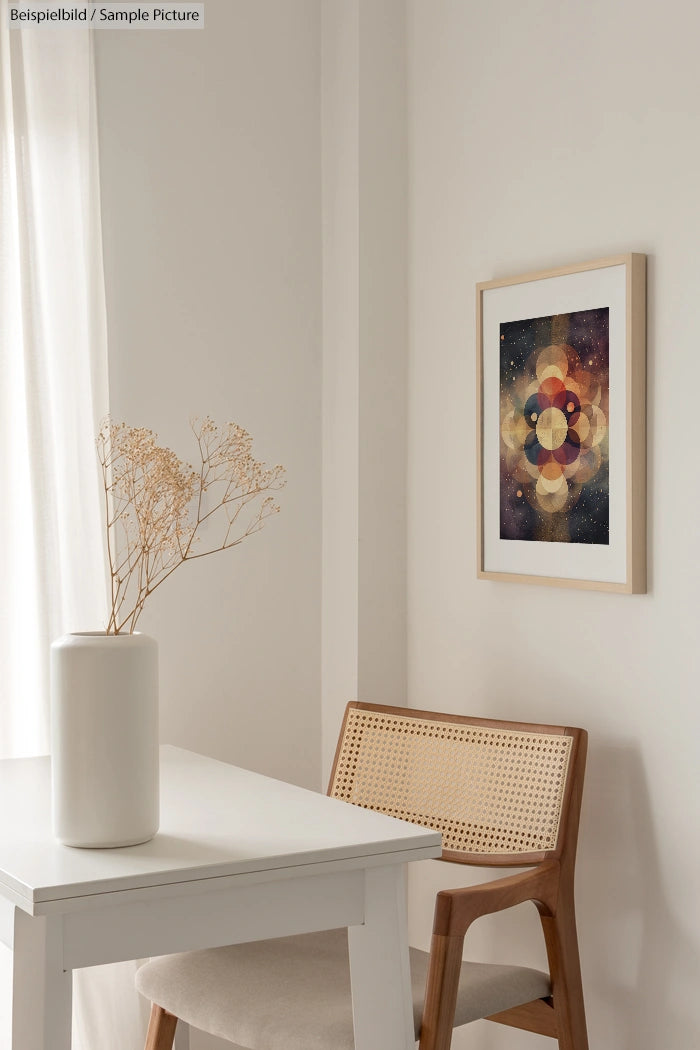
(496, 792)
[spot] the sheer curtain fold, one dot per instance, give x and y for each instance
(53, 392)
(53, 365)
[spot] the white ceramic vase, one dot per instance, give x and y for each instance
(104, 739)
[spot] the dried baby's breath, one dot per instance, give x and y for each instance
(161, 512)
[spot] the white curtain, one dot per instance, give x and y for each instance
(53, 392)
(53, 367)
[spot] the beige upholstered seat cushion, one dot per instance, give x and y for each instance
(293, 993)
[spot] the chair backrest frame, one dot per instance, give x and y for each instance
(514, 744)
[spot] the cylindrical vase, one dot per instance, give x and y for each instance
(104, 739)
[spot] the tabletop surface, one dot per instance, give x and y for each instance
(216, 820)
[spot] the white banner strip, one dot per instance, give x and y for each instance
(34, 15)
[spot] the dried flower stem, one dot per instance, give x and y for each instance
(159, 510)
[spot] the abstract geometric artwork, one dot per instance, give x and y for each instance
(554, 428)
(561, 408)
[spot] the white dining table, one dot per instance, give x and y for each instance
(238, 857)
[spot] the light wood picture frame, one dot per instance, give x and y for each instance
(561, 409)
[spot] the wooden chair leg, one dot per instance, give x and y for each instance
(565, 969)
(161, 1029)
(441, 992)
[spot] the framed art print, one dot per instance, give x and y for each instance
(561, 426)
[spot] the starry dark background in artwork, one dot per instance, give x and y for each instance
(587, 331)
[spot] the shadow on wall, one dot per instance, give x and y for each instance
(639, 968)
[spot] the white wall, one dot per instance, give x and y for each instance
(210, 165)
(541, 134)
(210, 148)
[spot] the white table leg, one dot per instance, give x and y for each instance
(41, 990)
(379, 966)
(182, 1036)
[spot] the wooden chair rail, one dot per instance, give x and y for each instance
(455, 910)
(537, 1016)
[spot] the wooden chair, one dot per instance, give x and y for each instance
(501, 793)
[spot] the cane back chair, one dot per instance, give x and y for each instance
(501, 793)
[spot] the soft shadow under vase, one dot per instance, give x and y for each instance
(104, 739)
